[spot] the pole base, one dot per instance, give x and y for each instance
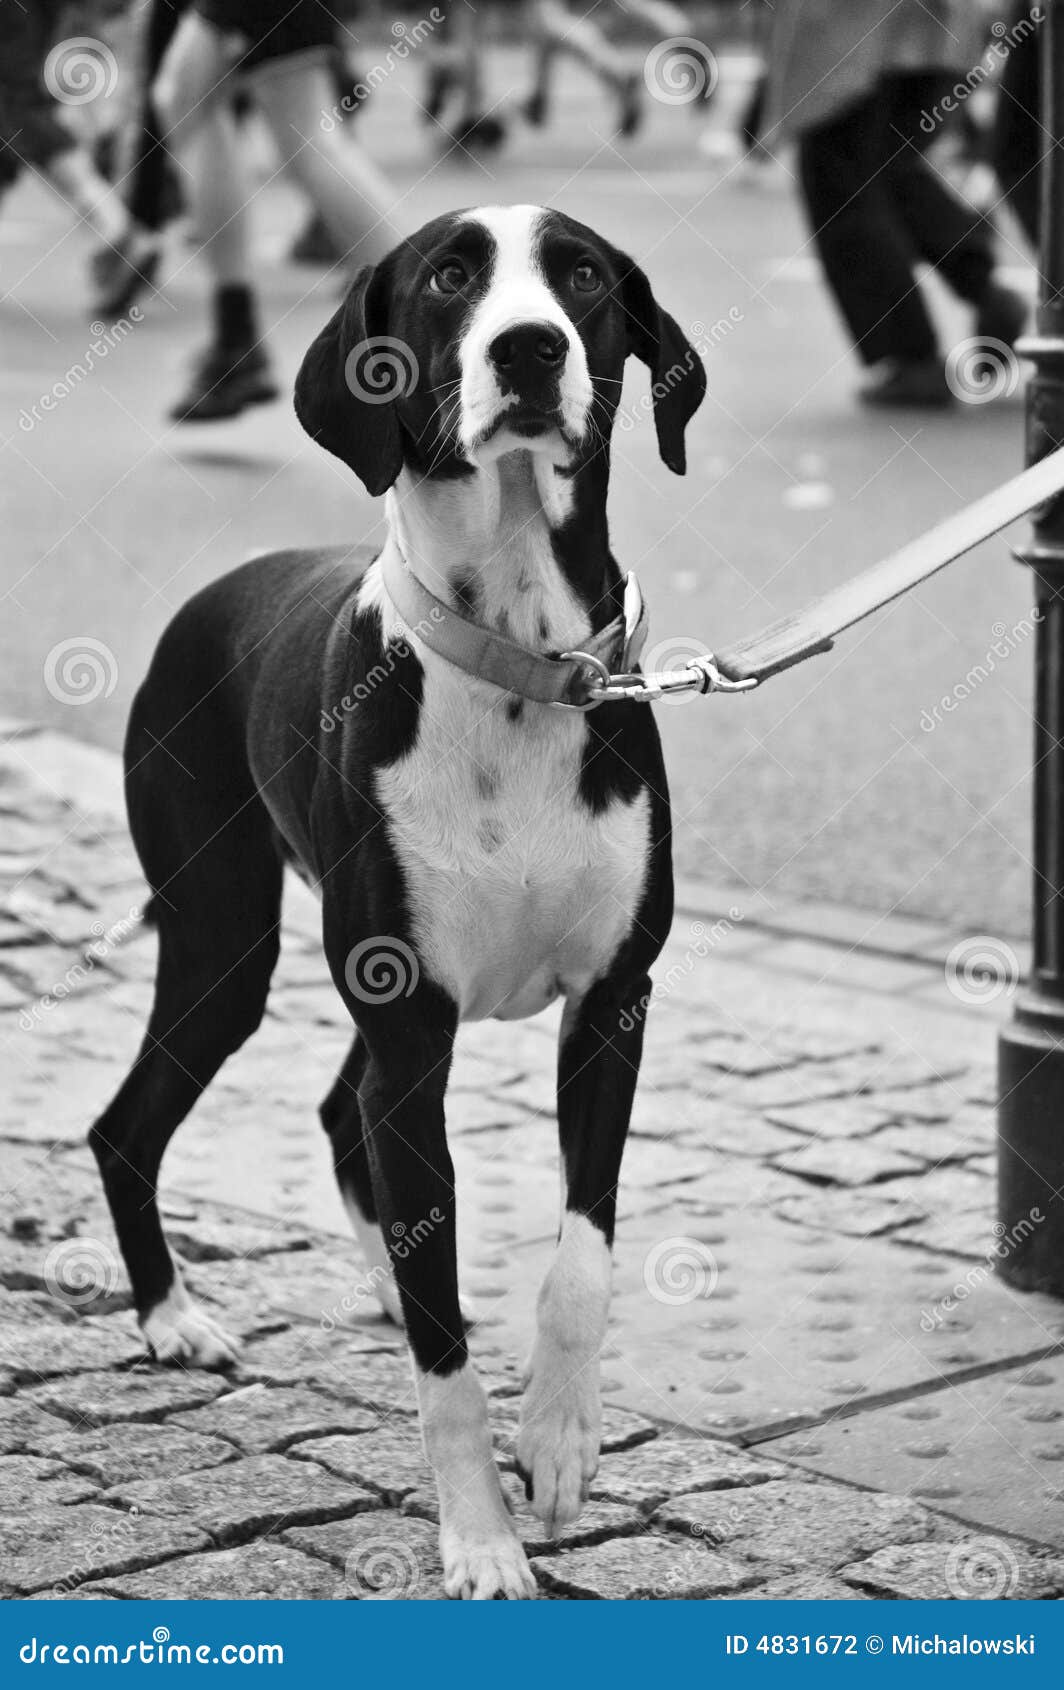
(1030, 1248)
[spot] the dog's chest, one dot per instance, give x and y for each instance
(517, 892)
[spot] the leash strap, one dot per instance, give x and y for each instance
(814, 628)
(565, 680)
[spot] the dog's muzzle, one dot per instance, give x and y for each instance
(528, 360)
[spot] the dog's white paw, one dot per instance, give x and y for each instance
(479, 1569)
(558, 1445)
(186, 1334)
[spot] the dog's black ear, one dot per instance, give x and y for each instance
(347, 386)
(677, 377)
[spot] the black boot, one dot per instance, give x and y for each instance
(234, 372)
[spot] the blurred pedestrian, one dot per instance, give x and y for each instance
(861, 88)
(1019, 137)
(281, 50)
(38, 70)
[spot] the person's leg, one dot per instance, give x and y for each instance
(151, 194)
(192, 98)
(862, 245)
(945, 231)
(234, 370)
(337, 176)
(1018, 135)
(577, 36)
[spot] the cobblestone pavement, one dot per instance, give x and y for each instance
(815, 1384)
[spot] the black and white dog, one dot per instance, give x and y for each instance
(514, 852)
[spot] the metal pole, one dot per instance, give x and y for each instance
(1031, 1048)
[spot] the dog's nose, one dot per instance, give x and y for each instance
(528, 351)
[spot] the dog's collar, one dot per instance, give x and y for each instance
(481, 652)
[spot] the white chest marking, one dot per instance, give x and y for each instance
(517, 893)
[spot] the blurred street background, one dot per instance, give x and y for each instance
(845, 781)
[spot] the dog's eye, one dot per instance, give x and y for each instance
(449, 277)
(586, 278)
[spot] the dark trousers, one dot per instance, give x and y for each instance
(1018, 136)
(876, 207)
(148, 196)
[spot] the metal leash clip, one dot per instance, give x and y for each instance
(701, 675)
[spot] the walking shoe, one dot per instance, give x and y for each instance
(631, 113)
(907, 382)
(1001, 315)
(118, 273)
(483, 132)
(315, 244)
(225, 381)
(534, 109)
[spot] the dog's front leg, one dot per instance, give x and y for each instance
(401, 1096)
(561, 1415)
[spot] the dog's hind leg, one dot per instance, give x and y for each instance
(210, 855)
(561, 1413)
(341, 1116)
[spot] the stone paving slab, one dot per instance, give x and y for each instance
(266, 1571)
(62, 1547)
(808, 1180)
(244, 1498)
(990, 1450)
(261, 1421)
(639, 1569)
(733, 1321)
(977, 1569)
(127, 1451)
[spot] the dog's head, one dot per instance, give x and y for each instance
(489, 331)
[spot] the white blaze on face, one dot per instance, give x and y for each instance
(517, 292)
